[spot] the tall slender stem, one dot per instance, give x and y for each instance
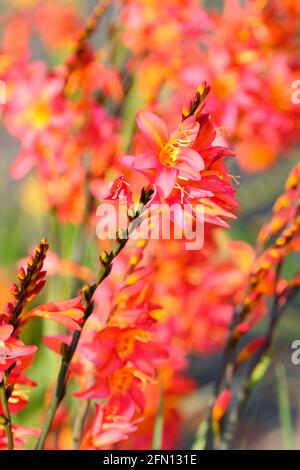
(87, 295)
(79, 423)
(247, 387)
(159, 424)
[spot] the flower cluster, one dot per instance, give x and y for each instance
(111, 121)
(186, 166)
(278, 239)
(248, 54)
(15, 356)
(71, 120)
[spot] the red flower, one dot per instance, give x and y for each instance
(169, 155)
(125, 383)
(113, 347)
(119, 189)
(11, 348)
(67, 312)
(112, 423)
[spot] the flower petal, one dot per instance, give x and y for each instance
(153, 128)
(189, 127)
(97, 391)
(165, 180)
(16, 348)
(5, 332)
(22, 165)
(142, 162)
(188, 172)
(192, 158)
(207, 133)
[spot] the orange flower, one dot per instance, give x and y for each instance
(67, 312)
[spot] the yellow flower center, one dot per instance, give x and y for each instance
(169, 152)
(126, 341)
(168, 156)
(39, 115)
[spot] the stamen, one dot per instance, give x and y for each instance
(168, 154)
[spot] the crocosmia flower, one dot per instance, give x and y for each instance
(11, 348)
(170, 154)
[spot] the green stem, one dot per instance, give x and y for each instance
(7, 423)
(59, 390)
(159, 424)
(106, 260)
(284, 407)
(79, 423)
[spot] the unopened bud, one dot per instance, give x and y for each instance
(104, 258)
(15, 289)
(21, 274)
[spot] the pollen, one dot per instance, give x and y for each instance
(169, 153)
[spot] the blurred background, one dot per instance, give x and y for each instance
(272, 418)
